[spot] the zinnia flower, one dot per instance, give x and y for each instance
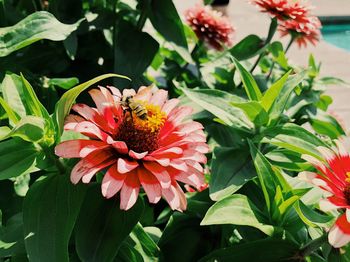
(210, 26)
(308, 31)
(283, 9)
(333, 177)
(155, 153)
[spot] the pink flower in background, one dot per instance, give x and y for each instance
(333, 177)
(153, 153)
(210, 26)
(283, 9)
(308, 31)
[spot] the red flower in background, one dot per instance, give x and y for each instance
(333, 177)
(210, 26)
(155, 153)
(308, 31)
(283, 9)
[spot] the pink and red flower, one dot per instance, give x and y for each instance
(210, 26)
(333, 177)
(155, 153)
(283, 9)
(302, 32)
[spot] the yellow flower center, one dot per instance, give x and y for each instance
(139, 134)
(155, 118)
(347, 179)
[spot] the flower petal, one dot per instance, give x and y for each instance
(150, 184)
(91, 130)
(87, 167)
(170, 105)
(125, 166)
(137, 156)
(339, 235)
(159, 172)
(112, 182)
(78, 148)
(130, 191)
(159, 97)
(120, 146)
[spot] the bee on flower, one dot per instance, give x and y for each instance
(149, 144)
(210, 26)
(333, 176)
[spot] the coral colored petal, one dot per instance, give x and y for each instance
(115, 91)
(173, 152)
(91, 164)
(189, 127)
(161, 161)
(150, 184)
(144, 94)
(135, 155)
(71, 122)
(159, 97)
(339, 235)
(91, 130)
(78, 148)
(194, 179)
(159, 172)
(170, 105)
(130, 191)
(338, 201)
(112, 182)
(195, 156)
(125, 166)
(179, 114)
(92, 115)
(171, 196)
(179, 165)
(129, 92)
(120, 146)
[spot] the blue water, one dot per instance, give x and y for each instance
(338, 35)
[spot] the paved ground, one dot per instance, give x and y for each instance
(335, 61)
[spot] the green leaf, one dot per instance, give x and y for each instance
(287, 159)
(280, 101)
(167, 22)
(294, 138)
(236, 210)
(248, 81)
(270, 249)
(130, 57)
(65, 103)
(29, 128)
(64, 83)
(50, 210)
(278, 54)
(311, 217)
(218, 103)
(329, 80)
(265, 174)
(11, 237)
(17, 157)
(10, 113)
(231, 169)
(35, 27)
(102, 226)
(12, 92)
(31, 101)
(247, 48)
(255, 112)
(326, 124)
(143, 243)
(273, 92)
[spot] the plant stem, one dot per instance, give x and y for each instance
(142, 19)
(285, 52)
(313, 245)
(271, 33)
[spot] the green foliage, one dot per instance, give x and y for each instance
(51, 208)
(37, 26)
